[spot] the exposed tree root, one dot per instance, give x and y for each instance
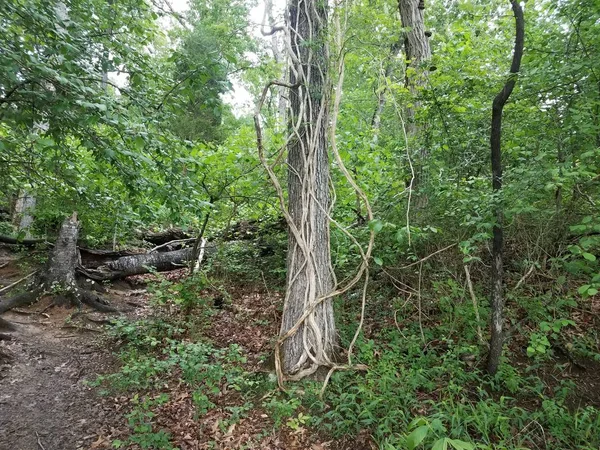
(96, 302)
(73, 298)
(23, 299)
(5, 325)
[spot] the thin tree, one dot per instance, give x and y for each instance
(417, 52)
(497, 295)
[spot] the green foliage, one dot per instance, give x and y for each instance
(140, 422)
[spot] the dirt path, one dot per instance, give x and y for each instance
(44, 401)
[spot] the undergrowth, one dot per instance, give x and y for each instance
(424, 388)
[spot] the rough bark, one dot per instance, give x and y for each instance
(309, 274)
(23, 219)
(497, 294)
(418, 52)
(134, 264)
(165, 236)
(59, 274)
(143, 263)
(94, 258)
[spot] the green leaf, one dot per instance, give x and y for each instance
(583, 289)
(461, 445)
(139, 143)
(589, 256)
(440, 444)
(376, 225)
(378, 261)
(416, 437)
(592, 291)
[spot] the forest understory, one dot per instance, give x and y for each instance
(188, 364)
(300, 224)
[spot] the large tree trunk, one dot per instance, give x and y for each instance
(57, 279)
(59, 275)
(308, 322)
(497, 294)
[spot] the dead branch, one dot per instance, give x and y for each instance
(6, 288)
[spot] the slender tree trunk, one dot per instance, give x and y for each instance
(199, 242)
(279, 57)
(381, 96)
(22, 217)
(311, 341)
(418, 52)
(497, 294)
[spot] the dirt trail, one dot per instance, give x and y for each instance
(44, 402)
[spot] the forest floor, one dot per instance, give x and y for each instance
(50, 398)
(47, 403)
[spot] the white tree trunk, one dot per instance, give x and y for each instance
(22, 217)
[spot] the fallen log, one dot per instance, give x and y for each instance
(24, 242)
(165, 236)
(93, 258)
(144, 263)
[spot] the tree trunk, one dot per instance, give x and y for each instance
(144, 263)
(165, 236)
(418, 52)
(22, 217)
(279, 58)
(58, 276)
(497, 294)
(308, 321)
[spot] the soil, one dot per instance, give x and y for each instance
(45, 403)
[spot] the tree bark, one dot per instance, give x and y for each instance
(58, 277)
(165, 236)
(143, 263)
(310, 341)
(22, 218)
(497, 294)
(418, 52)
